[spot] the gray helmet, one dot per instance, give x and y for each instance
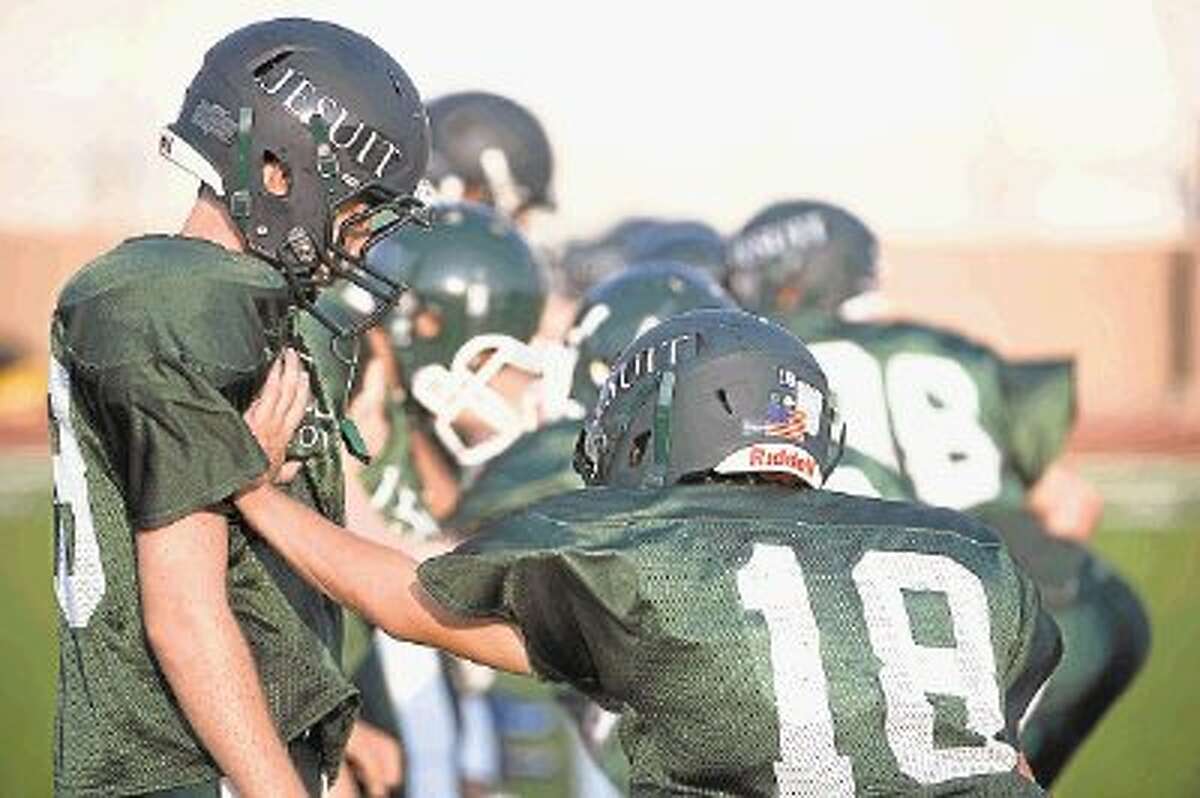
(627, 304)
(824, 253)
(342, 119)
(711, 392)
(492, 143)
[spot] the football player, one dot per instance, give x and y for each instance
(758, 635)
(935, 417)
(191, 656)
(611, 314)
(540, 463)
(492, 150)
(455, 370)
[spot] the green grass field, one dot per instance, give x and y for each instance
(1145, 747)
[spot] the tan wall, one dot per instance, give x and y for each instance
(34, 266)
(1111, 307)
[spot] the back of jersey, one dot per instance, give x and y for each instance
(965, 426)
(760, 640)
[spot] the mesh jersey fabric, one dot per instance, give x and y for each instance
(157, 347)
(634, 597)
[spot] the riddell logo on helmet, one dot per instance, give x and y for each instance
(782, 457)
(301, 98)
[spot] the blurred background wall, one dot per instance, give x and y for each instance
(1031, 166)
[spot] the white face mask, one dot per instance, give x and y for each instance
(450, 393)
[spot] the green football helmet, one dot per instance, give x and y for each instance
(624, 306)
(475, 297)
(801, 255)
(711, 392)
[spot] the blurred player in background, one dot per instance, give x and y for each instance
(192, 658)
(493, 150)
(452, 380)
(640, 239)
(758, 635)
(610, 316)
(935, 417)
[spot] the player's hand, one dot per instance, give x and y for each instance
(375, 758)
(1069, 507)
(276, 412)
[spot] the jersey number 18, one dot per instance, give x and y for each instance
(772, 583)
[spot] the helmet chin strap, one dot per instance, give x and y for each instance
(657, 475)
(239, 197)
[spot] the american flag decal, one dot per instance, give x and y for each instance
(786, 422)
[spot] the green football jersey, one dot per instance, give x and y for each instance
(762, 640)
(157, 348)
(393, 483)
(963, 425)
(537, 465)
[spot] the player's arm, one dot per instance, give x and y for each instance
(206, 660)
(182, 570)
(378, 582)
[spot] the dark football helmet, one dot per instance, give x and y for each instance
(475, 299)
(639, 239)
(801, 255)
(494, 145)
(711, 392)
(342, 120)
(692, 242)
(624, 306)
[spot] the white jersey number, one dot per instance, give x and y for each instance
(927, 404)
(772, 583)
(78, 570)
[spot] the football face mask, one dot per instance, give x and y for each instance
(472, 417)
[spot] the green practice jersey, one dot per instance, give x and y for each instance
(393, 483)
(157, 348)
(537, 465)
(965, 426)
(761, 640)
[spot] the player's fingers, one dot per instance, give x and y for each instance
(392, 770)
(297, 405)
(289, 378)
(268, 395)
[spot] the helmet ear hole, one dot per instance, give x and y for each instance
(723, 398)
(637, 449)
(276, 176)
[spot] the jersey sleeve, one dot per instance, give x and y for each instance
(1040, 396)
(178, 444)
(1033, 658)
(574, 604)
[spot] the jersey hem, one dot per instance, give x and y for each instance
(199, 502)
